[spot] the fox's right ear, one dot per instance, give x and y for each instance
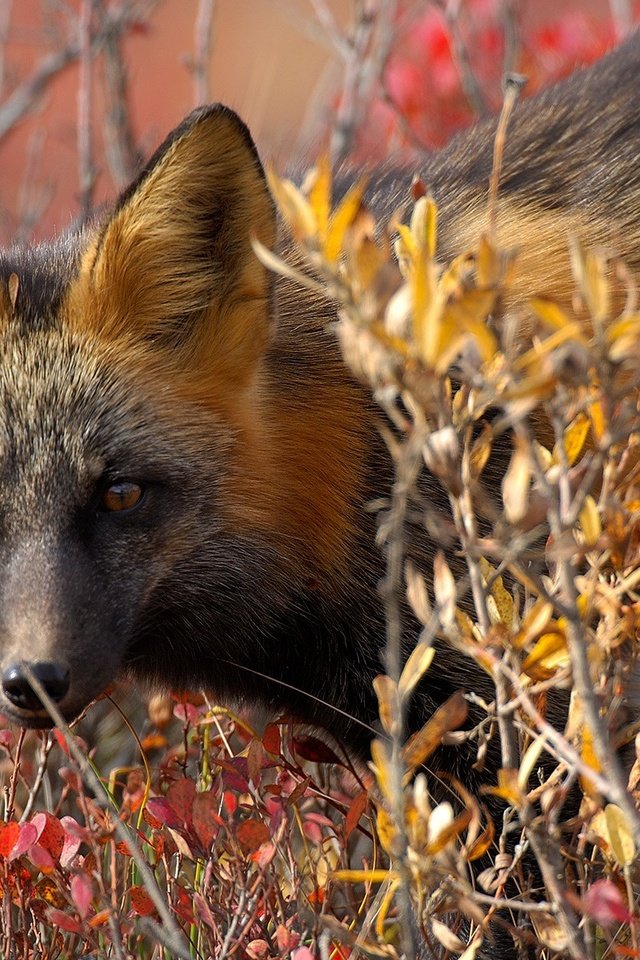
(174, 260)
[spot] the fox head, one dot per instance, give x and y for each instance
(145, 520)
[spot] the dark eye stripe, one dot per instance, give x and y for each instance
(121, 495)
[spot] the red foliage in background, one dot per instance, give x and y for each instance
(424, 100)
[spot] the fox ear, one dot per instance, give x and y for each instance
(174, 260)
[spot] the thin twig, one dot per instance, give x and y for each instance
(122, 155)
(367, 49)
(86, 169)
(203, 45)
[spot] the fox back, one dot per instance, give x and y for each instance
(185, 462)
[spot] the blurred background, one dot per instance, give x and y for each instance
(88, 88)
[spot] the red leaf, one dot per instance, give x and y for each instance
(149, 818)
(141, 902)
(264, 854)
(50, 833)
(183, 905)
(180, 795)
(357, 808)
(162, 811)
(64, 921)
(202, 911)
(605, 904)
(313, 749)
(271, 739)
(26, 839)
(252, 834)
(81, 893)
(187, 713)
(287, 940)
(206, 821)
(235, 774)
(62, 741)
(302, 953)
(41, 858)
(256, 949)
(255, 757)
(9, 833)
(73, 836)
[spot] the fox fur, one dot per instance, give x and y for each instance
(153, 349)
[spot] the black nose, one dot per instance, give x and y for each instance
(53, 677)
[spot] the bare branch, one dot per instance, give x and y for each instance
(25, 96)
(86, 170)
(122, 155)
(203, 44)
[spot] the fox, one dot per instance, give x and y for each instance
(186, 461)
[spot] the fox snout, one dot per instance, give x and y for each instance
(51, 628)
(17, 687)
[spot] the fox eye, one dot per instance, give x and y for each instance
(120, 496)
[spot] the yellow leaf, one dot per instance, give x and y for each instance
(417, 593)
(481, 450)
(444, 587)
(407, 244)
(381, 765)
(342, 218)
(416, 666)
(428, 306)
(529, 761)
(574, 439)
(293, 206)
(596, 415)
(545, 457)
(590, 271)
(367, 260)
(468, 314)
(547, 657)
(516, 484)
(445, 828)
(387, 693)
(363, 876)
(550, 313)
(590, 521)
(507, 788)
(384, 908)
(620, 836)
(446, 937)
(488, 265)
(540, 349)
(533, 623)
(319, 196)
(590, 757)
(499, 601)
(387, 833)
(450, 716)
(424, 218)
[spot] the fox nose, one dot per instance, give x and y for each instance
(53, 676)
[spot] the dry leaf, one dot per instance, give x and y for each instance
(516, 484)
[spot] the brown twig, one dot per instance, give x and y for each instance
(27, 94)
(365, 53)
(508, 14)
(203, 45)
(86, 169)
(122, 155)
(470, 86)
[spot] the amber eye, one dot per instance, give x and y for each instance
(121, 495)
